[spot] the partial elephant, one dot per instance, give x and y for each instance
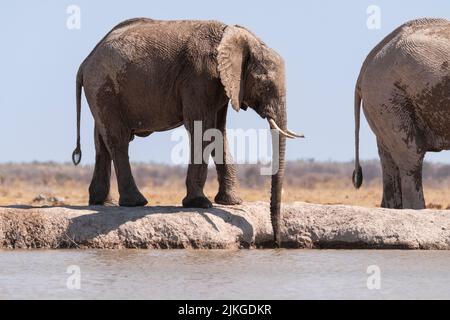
(404, 85)
(150, 76)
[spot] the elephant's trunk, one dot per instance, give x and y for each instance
(278, 161)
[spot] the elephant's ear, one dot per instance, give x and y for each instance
(232, 56)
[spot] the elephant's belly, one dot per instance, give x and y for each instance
(148, 111)
(145, 133)
(149, 105)
(145, 124)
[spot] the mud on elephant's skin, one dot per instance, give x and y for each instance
(148, 76)
(405, 90)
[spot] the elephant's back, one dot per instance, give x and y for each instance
(153, 49)
(411, 38)
(156, 47)
(409, 74)
(425, 42)
(141, 60)
(415, 56)
(146, 38)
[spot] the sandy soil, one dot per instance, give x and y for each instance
(330, 193)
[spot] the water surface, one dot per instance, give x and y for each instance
(250, 274)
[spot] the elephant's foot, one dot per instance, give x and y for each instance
(99, 200)
(94, 202)
(135, 200)
(107, 203)
(391, 204)
(198, 202)
(227, 199)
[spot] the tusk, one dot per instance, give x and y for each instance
(274, 125)
(292, 133)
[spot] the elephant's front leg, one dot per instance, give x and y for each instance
(226, 171)
(100, 184)
(198, 166)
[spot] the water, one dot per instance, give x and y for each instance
(272, 274)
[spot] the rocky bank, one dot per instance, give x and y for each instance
(245, 226)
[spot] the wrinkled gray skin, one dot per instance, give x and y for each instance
(149, 76)
(405, 88)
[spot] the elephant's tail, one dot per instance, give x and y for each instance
(357, 174)
(76, 155)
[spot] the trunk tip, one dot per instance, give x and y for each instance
(277, 240)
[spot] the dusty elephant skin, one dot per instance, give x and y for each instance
(223, 227)
(404, 86)
(149, 76)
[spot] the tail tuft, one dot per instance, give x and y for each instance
(76, 156)
(358, 177)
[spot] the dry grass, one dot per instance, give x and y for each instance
(308, 181)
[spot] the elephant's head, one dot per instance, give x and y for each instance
(254, 76)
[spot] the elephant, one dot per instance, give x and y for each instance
(404, 88)
(149, 76)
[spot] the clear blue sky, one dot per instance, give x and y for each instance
(323, 43)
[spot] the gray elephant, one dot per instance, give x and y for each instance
(404, 85)
(150, 76)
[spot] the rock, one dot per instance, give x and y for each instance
(50, 200)
(245, 226)
(39, 198)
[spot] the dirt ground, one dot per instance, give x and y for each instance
(322, 183)
(77, 194)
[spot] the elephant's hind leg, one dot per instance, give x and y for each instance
(116, 136)
(392, 191)
(100, 184)
(226, 171)
(404, 142)
(401, 142)
(129, 193)
(411, 181)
